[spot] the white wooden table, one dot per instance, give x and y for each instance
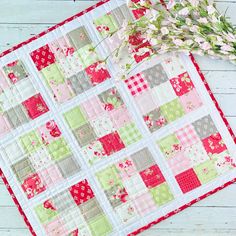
(21, 19)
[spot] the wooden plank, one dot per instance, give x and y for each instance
(39, 11)
(26, 11)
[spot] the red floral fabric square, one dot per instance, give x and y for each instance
(214, 144)
(182, 84)
(138, 55)
(97, 73)
(111, 143)
(35, 106)
(152, 176)
(81, 192)
(32, 186)
(188, 180)
(43, 57)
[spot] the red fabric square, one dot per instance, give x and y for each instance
(188, 180)
(81, 192)
(214, 144)
(111, 143)
(136, 84)
(97, 73)
(136, 39)
(138, 13)
(43, 57)
(152, 176)
(182, 84)
(32, 186)
(141, 56)
(35, 106)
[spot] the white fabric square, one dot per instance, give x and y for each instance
(173, 66)
(164, 93)
(14, 152)
(134, 185)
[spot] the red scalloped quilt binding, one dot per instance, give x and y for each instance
(170, 213)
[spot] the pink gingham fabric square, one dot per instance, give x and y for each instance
(179, 163)
(187, 136)
(144, 203)
(137, 84)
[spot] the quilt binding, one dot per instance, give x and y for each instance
(5, 181)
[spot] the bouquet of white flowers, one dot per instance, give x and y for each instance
(194, 26)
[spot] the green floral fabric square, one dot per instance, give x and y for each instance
(206, 171)
(58, 149)
(53, 75)
(45, 214)
(129, 134)
(106, 25)
(75, 117)
(162, 194)
(100, 226)
(88, 55)
(109, 177)
(31, 142)
(169, 145)
(172, 110)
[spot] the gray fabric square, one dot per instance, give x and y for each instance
(122, 13)
(114, 191)
(22, 169)
(154, 116)
(79, 37)
(68, 167)
(17, 116)
(205, 127)
(80, 82)
(17, 69)
(85, 134)
(63, 201)
(90, 209)
(143, 159)
(155, 75)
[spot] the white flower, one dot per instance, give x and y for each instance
(203, 20)
(164, 48)
(211, 9)
(184, 11)
(227, 48)
(194, 29)
(199, 39)
(178, 42)
(152, 27)
(205, 46)
(189, 42)
(188, 21)
(170, 4)
(164, 31)
(194, 2)
(153, 41)
(213, 19)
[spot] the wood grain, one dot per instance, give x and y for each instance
(21, 19)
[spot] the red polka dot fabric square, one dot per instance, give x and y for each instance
(81, 192)
(43, 57)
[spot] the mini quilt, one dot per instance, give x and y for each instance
(84, 152)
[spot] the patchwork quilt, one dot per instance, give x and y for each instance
(85, 153)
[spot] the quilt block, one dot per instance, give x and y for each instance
(85, 152)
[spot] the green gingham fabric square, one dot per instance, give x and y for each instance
(129, 134)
